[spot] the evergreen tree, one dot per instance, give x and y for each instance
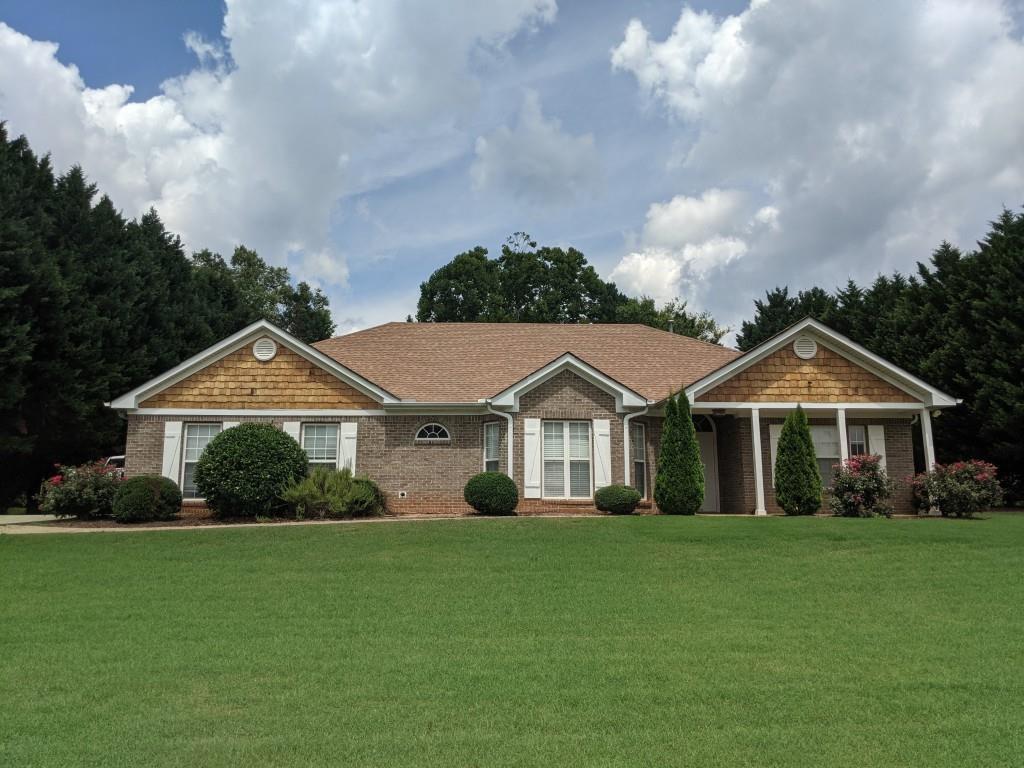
(797, 480)
(779, 310)
(679, 482)
(672, 317)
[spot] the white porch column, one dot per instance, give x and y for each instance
(755, 435)
(844, 443)
(926, 436)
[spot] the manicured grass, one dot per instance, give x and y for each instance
(618, 641)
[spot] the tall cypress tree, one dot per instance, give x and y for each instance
(679, 483)
(797, 480)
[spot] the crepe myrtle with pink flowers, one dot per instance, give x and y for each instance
(961, 489)
(861, 488)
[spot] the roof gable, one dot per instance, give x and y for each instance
(162, 391)
(844, 371)
(624, 396)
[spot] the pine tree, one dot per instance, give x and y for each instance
(679, 483)
(797, 480)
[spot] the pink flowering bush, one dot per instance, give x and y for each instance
(85, 492)
(860, 488)
(962, 489)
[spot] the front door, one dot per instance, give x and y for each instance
(709, 456)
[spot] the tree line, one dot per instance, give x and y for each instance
(957, 322)
(93, 304)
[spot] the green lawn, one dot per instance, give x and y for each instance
(617, 641)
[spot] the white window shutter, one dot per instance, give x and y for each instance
(774, 430)
(602, 453)
(292, 428)
(230, 424)
(347, 436)
(531, 458)
(171, 466)
(876, 441)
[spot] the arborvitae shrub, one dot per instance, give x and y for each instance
(679, 483)
(797, 480)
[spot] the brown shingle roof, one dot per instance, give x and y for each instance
(464, 362)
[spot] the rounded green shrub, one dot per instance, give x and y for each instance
(244, 469)
(617, 499)
(492, 493)
(146, 497)
(364, 498)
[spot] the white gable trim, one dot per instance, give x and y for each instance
(624, 396)
(250, 333)
(839, 344)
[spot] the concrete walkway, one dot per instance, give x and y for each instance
(30, 529)
(23, 519)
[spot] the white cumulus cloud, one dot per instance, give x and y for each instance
(536, 160)
(273, 126)
(861, 139)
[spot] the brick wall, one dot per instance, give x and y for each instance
(567, 396)
(899, 457)
(735, 465)
(433, 475)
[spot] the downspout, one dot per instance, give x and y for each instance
(508, 418)
(625, 441)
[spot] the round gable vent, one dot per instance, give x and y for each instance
(264, 349)
(805, 347)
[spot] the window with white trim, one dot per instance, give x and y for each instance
(197, 437)
(858, 438)
(566, 466)
(638, 455)
(826, 447)
(433, 433)
(320, 442)
(492, 440)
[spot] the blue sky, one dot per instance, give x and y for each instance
(707, 150)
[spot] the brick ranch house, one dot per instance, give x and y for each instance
(562, 409)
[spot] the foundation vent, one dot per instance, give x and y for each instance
(264, 349)
(805, 347)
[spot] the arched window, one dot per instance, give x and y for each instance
(433, 433)
(702, 423)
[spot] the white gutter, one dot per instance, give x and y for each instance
(510, 446)
(625, 441)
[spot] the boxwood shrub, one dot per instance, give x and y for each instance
(617, 499)
(146, 497)
(244, 469)
(492, 493)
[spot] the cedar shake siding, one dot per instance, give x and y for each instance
(826, 378)
(239, 380)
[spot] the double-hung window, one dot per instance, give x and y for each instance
(197, 437)
(566, 452)
(320, 442)
(492, 439)
(638, 455)
(826, 447)
(857, 434)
